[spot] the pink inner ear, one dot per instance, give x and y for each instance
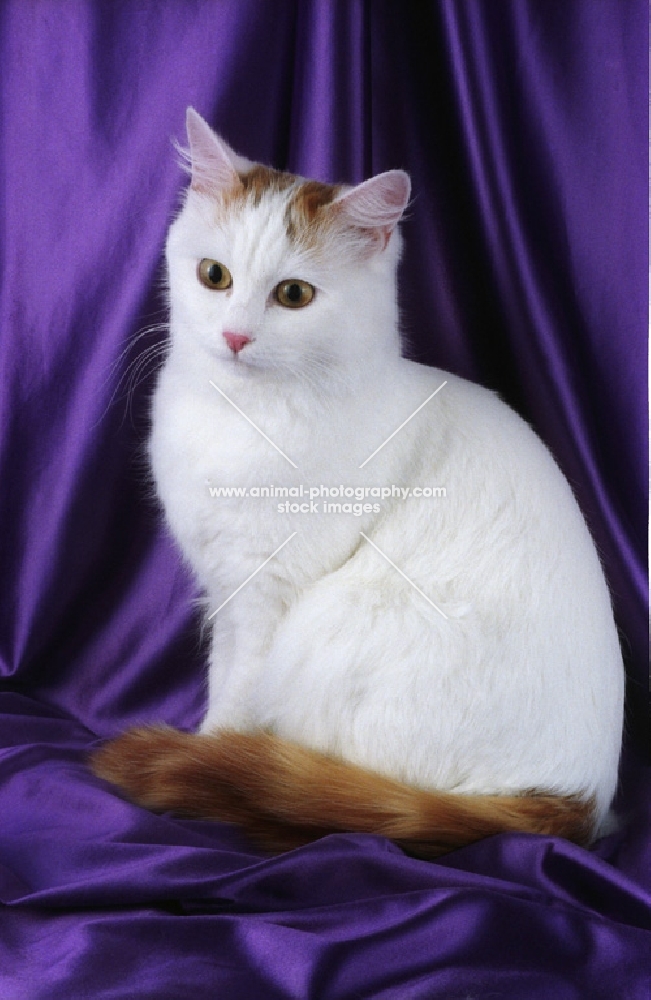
(213, 170)
(377, 203)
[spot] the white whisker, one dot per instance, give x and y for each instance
(144, 364)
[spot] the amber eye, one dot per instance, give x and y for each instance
(214, 275)
(294, 293)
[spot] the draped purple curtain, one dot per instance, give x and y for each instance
(524, 126)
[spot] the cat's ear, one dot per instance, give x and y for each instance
(377, 204)
(214, 167)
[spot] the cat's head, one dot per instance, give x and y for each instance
(271, 273)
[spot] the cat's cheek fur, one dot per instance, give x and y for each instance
(499, 678)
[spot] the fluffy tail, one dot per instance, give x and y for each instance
(285, 795)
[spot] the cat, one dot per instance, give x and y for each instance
(433, 669)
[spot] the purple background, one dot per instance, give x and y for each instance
(524, 127)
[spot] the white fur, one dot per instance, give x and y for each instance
(521, 685)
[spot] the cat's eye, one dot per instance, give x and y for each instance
(294, 293)
(214, 275)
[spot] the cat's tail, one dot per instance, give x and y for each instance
(285, 795)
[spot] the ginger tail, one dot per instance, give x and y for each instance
(285, 795)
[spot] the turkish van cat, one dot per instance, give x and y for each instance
(411, 631)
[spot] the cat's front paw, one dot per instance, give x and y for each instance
(208, 726)
(227, 714)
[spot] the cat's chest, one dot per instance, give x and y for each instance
(218, 444)
(220, 439)
(197, 445)
(237, 473)
(238, 486)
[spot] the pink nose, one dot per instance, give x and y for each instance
(236, 341)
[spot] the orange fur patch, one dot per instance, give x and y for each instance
(259, 180)
(285, 795)
(304, 218)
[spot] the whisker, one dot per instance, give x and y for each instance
(146, 362)
(148, 330)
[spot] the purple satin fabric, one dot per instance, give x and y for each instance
(524, 127)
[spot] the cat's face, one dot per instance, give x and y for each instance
(269, 273)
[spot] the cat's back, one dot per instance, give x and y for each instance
(497, 518)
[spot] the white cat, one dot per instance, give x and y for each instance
(462, 643)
